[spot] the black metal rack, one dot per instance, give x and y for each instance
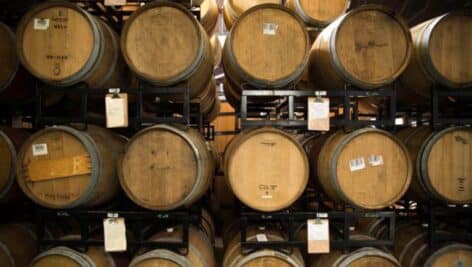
(439, 118)
(296, 101)
(459, 217)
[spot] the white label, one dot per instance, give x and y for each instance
(270, 28)
(116, 110)
(318, 236)
(266, 196)
(261, 238)
(40, 149)
(375, 160)
(41, 24)
(115, 2)
(318, 114)
(170, 230)
(114, 231)
(357, 164)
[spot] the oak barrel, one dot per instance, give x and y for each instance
(234, 256)
(233, 9)
(318, 13)
(166, 167)
(216, 49)
(209, 15)
(10, 142)
(363, 257)
(367, 168)
(17, 245)
(368, 47)
(200, 252)
(267, 47)
(441, 54)
(225, 127)
(62, 167)
(266, 168)
(63, 45)
(443, 164)
(164, 44)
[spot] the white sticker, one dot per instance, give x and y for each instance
(318, 236)
(40, 149)
(318, 114)
(375, 160)
(114, 231)
(266, 196)
(170, 230)
(41, 24)
(116, 106)
(270, 28)
(115, 2)
(357, 164)
(261, 238)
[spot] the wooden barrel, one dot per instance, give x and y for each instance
(441, 54)
(374, 227)
(372, 176)
(234, 256)
(214, 111)
(233, 9)
(442, 160)
(216, 49)
(200, 252)
(225, 127)
(63, 45)
(363, 257)
(17, 245)
(61, 167)
(318, 13)
(266, 168)
(10, 142)
(268, 47)
(451, 255)
(368, 47)
(166, 167)
(209, 15)
(164, 44)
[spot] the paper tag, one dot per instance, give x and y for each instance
(261, 238)
(114, 231)
(115, 2)
(41, 24)
(40, 149)
(270, 28)
(318, 114)
(318, 236)
(116, 110)
(357, 164)
(375, 160)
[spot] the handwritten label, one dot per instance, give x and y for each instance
(115, 234)
(356, 164)
(318, 236)
(270, 28)
(40, 149)
(318, 114)
(116, 106)
(41, 24)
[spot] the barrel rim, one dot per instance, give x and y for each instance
(339, 67)
(173, 128)
(267, 253)
(95, 159)
(116, 47)
(311, 20)
(436, 254)
(161, 254)
(78, 257)
(366, 252)
(410, 242)
(179, 77)
(81, 73)
(239, 139)
(13, 154)
(247, 77)
(428, 65)
(333, 162)
(17, 65)
(8, 253)
(422, 162)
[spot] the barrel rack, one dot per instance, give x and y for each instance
(453, 216)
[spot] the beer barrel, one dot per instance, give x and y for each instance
(367, 168)
(200, 252)
(363, 257)
(164, 44)
(63, 45)
(234, 256)
(10, 143)
(267, 47)
(166, 167)
(318, 12)
(233, 9)
(367, 47)
(209, 15)
(266, 168)
(441, 54)
(61, 167)
(442, 159)
(17, 245)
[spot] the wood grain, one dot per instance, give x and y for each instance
(318, 12)
(209, 15)
(363, 257)
(233, 9)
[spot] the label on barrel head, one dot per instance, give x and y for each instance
(357, 164)
(41, 24)
(270, 28)
(375, 160)
(40, 149)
